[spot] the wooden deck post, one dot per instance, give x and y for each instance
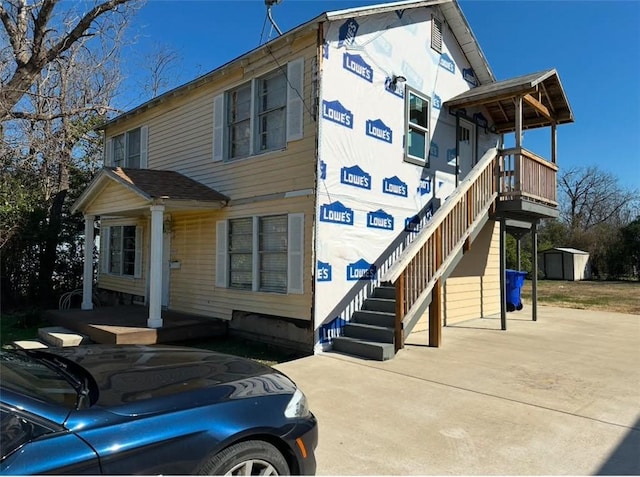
(435, 307)
(435, 316)
(503, 278)
(534, 282)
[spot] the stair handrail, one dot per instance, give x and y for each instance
(440, 215)
(429, 246)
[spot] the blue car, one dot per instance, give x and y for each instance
(150, 410)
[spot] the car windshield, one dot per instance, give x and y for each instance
(39, 378)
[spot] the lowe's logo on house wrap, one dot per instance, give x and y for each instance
(437, 101)
(347, 33)
(425, 186)
(336, 213)
(451, 156)
(382, 46)
(413, 77)
(376, 128)
(379, 220)
(434, 149)
(356, 177)
(414, 224)
(394, 186)
(323, 272)
(335, 112)
(361, 270)
(447, 63)
(331, 330)
(323, 170)
(357, 66)
(469, 76)
(325, 50)
(480, 120)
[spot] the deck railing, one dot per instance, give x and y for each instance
(526, 176)
(426, 259)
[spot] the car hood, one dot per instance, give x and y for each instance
(127, 374)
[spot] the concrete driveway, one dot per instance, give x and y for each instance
(556, 396)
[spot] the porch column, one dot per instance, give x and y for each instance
(87, 278)
(155, 268)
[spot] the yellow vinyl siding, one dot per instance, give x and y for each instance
(193, 244)
(129, 285)
(473, 289)
(115, 198)
(181, 131)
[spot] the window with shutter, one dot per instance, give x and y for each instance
(261, 253)
(261, 115)
(128, 149)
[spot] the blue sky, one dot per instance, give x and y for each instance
(594, 45)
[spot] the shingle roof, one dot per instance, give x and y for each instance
(171, 185)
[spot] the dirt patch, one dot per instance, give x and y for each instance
(621, 297)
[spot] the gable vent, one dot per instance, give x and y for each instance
(436, 34)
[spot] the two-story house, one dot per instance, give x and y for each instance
(331, 187)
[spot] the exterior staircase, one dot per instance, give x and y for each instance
(505, 183)
(371, 331)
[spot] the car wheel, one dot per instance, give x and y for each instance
(247, 458)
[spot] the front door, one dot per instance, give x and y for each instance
(466, 147)
(166, 267)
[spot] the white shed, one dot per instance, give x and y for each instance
(565, 264)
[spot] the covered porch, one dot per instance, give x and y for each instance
(526, 183)
(134, 197)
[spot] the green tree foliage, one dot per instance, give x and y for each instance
(596, 215)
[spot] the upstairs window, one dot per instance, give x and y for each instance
(417, 127)
(271, 99)
(261, 115)
(128, 150)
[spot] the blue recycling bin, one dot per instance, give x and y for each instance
(514, 283)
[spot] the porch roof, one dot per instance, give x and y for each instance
(544, 101)
(155, 187)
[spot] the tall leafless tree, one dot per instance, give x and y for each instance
(52, 105)
(39, 34)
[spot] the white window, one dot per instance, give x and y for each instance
(261, 253)
(122, 250)
(417, 127)
(260, 115)
(128, 150)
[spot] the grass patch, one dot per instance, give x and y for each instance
(260, 352)
(614, 296)
(20, 326)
